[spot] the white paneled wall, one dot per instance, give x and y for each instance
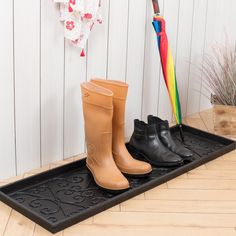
(7, 96)
(41, 118)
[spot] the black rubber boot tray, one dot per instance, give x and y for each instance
(66, 195)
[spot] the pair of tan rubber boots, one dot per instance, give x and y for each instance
(104, 115)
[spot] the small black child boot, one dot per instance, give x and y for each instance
(146, 144)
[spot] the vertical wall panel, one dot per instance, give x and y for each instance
(135, 59)
(197, 50)
(27, 83)
(171, 14)
(219, 25)
(232, 20)
(184, 50)
(75, 73)
(117, 39)
(52, 82)
(152, 66)
(97, 46)
(223, 10)
(7, 138)
(213, 35)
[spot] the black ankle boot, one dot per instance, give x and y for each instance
(146, 143)
(164, 134)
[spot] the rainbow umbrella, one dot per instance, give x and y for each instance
(167, 63)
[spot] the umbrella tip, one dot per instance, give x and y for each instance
(181, 132)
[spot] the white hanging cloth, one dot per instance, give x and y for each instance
(79, 17)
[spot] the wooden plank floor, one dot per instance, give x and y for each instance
(199, 203)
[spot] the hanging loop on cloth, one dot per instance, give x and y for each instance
(82, 54)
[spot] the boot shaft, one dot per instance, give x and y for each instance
(120, 90)
(98, 113)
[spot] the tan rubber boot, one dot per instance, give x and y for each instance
(125, 162)
(98, 112)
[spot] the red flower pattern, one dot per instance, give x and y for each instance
(99, 21)
(70, 25)
(80, 36)
(71, 2)
(88, 16)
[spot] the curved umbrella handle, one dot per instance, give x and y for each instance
(156, 7)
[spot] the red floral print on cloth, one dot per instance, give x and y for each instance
(79, 17)
(88, 16)
(71, 2)
(70, 25)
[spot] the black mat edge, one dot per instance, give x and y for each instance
(60, 225)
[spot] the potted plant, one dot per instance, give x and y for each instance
(219, 77)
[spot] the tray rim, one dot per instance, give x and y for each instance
(62, 224)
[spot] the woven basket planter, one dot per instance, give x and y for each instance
(225, 120)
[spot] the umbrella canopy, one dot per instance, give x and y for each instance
(167, 63)
(168, 66)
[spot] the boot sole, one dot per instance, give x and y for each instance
(113, 191)
(137, 175)
(133, 151)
